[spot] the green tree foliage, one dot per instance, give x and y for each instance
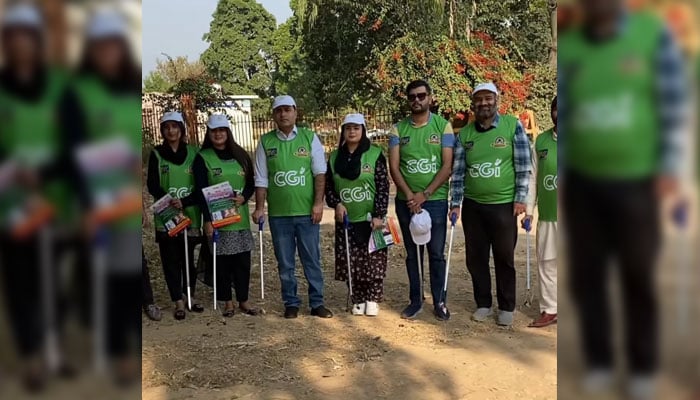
(240, 55)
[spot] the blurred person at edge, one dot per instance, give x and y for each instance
(30, 92)
(104, 104)
(621, 92)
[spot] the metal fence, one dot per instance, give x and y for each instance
(247, 129)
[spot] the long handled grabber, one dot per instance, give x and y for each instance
(99, 284)
(48, 299)
(420, 269)
(187, 271)
(680, 218)
(443, 298)
(215, 238)
(261, 223)
(346, 226)
(527, 225)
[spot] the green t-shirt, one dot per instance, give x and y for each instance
(230, 171)
(358, 195)
(178, 181)
(490, 173)
(421, 155)
(612, 129)
(290, 191)
(546, 153)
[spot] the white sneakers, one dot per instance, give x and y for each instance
(369, 308)
(358, 309)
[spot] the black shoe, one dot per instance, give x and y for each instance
(441, 312)
(411, 311)
(321, 312)
(291, 312)
(197, 308)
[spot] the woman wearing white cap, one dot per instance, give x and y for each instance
(29, 100)
(357, 185)
(223, 160)
(170, 171)
(102, 106)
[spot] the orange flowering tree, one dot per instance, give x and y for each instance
(453, 68)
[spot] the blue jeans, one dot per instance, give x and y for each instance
(436, 249)
(290, 234)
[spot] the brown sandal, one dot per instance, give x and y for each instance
(250, 311)
(228, 313)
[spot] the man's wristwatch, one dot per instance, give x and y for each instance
(427, 194)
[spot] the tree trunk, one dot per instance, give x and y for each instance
(553, 29)
(190, 114)
(452, 19)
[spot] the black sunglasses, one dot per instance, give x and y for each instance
(419, 96)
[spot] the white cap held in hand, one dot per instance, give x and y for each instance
(420, 227)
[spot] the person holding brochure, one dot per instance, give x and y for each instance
(170, 173)
(357, 186)
(221, 160)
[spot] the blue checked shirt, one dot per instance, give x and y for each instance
(672, 97)
(521, 162)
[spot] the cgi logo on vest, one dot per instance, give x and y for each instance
(550, 182)
(486, 170)
(290, 178)
(356, 195)
(180, 193)
(422, 166)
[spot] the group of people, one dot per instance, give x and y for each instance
(48, 113)
(486, 172)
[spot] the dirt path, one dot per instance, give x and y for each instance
(207, 357)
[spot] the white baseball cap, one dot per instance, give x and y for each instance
(488, 86)
(172, 116)
(285, 100)
(22, 15)
(218, 121)
(107, 24)
(420, 227)
(358, 119)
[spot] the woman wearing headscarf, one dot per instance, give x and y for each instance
(170, 172)
(357, 185)
(220, 160)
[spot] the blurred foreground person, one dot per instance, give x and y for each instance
(33, 193)
(621, 96)
(101, 116)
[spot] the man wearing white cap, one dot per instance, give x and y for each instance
(420, 160)
(491, 173)
(290, 168)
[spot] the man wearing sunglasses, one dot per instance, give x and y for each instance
(420, 161)
(491, 173)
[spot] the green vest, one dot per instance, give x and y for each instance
(612, 125)
(546, 153)
(421, 155)
(358, 195)
(490, 173)
(109, 116)
(230, 171)
(290, 189)
(178, 181)
(29, 133)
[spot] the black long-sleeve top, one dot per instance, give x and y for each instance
(153, 174)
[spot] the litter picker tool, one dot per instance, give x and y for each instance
(215, 239)
(261, 222)
(48, 297)
(680, 218)
(101, 245)
(187, 271)
(527, 225)
(346, 226)
(443, 299)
